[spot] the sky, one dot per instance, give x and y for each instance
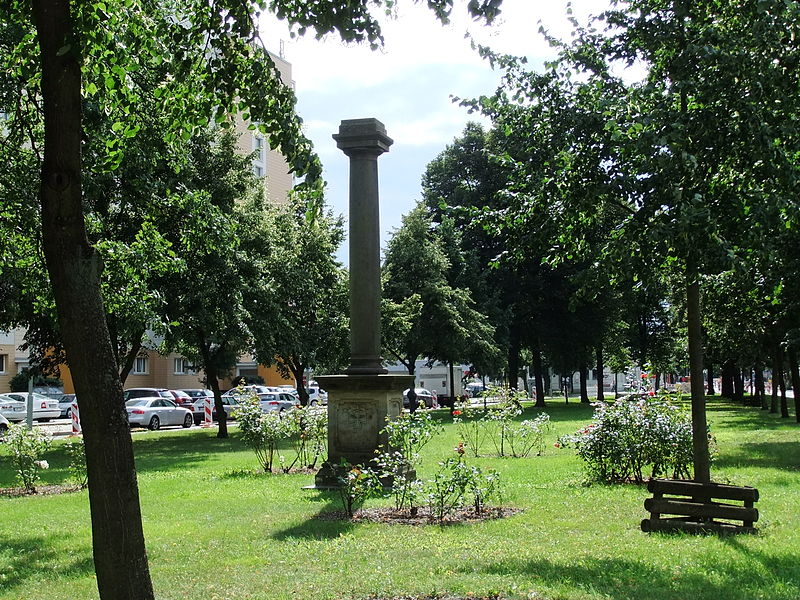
(407, 85)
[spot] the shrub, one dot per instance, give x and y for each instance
(307, 432)
(260, 431)
(498, 421)
(455, 482)
(625, 438)
(407, 435)
(470, 426)
(27, 447)
(528, 436)
(356, 484)
(76, 452)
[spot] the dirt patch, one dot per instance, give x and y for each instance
(41, 490)
(423, 516)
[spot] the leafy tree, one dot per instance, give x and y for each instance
(306, 292)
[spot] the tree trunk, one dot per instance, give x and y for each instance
(584, 375)
(702, 460)
(538, 378)
(738, 386)
(513, 360)
(452, 387)
(777, 375)
(710, 379)
(728, 372)
(784, 404)
(297, 368)
(74, 267)
(761, 393)
(601, 373)
(130, 357)
(795, 371)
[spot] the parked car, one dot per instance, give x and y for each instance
(316, 395)
(181, 398)
(157, 411)
(228, 401)
(132, 393)
(65, 405)
(44, 408)
(424, 397)
(270, 401)
(198, 394)
(3, 425)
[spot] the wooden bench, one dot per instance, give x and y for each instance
(695, 507)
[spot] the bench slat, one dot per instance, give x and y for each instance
(702, 490)
(696, 509)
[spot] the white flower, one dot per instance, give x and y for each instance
(42, 464)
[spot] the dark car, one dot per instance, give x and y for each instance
(182, 399)
(424, 397)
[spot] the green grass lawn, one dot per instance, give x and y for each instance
(214, 532)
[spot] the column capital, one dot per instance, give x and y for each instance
(362, 136)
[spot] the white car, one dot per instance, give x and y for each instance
(155, 412)
(3, 425)
(14, 407)
(316, 395)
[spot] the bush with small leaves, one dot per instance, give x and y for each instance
(356, 484)
(307, 431)
(76, 452)
(625, 438)
(456, 482)
(407, 434)
(529, 435)
(260, 431)
(27, 447)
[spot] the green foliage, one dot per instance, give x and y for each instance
(499, 420)
(529, 435)
(356, 484)
(307, 431)
(407, 435)
(627, 437)
(19, 382)
(76, 452)
(27, 447)
(260, 430)
(456, 483)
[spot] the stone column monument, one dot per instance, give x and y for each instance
(365, 396)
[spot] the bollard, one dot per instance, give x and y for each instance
(76, 419)
(207, 420)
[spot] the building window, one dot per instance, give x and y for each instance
(183, 366)
(258, 170)
(140, 366)
(258, 146)
(3, 361)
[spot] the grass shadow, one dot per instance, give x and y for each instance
(630, 580)
(318, 527)
(770, 455)
(34, 557)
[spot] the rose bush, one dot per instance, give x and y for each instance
(627, 438)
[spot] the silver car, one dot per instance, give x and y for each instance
(155, 412)
(13, 406)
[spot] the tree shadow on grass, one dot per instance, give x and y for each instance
(629, 580)
(770, 455)
(318, 527)
(34, 557)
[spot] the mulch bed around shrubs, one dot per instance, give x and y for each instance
(41, 490)
(423, 517)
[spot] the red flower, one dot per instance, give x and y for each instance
(456, 413)
(557, 445)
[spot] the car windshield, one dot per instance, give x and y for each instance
(137, 402)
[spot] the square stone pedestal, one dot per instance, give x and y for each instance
(358, 409)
